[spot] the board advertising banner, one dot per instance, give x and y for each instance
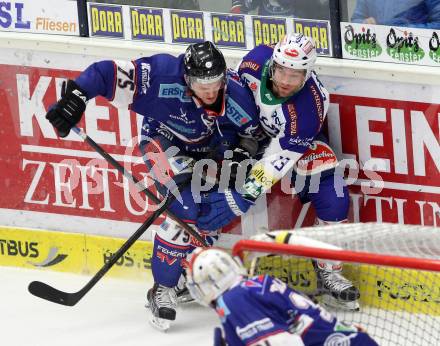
(65, 176)
(390, 44)
(187, 27)
(58, 17)
(107, 20)
(147, 24)
(235, 31)
(268, 30)
(228, 30)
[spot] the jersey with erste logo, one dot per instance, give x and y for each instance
(155, 88)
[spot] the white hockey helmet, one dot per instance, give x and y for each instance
(210, 273)
(295, 51)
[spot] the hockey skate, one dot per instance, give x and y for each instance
(182, 293)
(162, 303)
(336, 291)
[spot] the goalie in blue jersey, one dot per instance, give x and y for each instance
(262, 310)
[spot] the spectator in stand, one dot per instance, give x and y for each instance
(407, 13)
(312, 9)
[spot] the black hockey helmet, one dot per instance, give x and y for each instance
(204, 63)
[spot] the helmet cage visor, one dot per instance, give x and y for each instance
(209, 289)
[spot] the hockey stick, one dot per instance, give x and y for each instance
(44, 291)
(137, 183)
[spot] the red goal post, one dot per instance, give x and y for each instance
(395, 267)
(338, 255)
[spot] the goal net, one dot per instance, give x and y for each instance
(395, 267)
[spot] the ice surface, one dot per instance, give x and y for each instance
(111, 314)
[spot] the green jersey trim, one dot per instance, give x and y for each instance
(267, 96)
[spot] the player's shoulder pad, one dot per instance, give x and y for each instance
(319, 96)
(305, 111)
(233, 79)
(255, 59)
(240, 105)
(162, 65)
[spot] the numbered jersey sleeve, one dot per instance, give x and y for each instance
(122, 82)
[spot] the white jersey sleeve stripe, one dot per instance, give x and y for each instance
(125, 84)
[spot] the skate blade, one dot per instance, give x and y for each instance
(185, 300)
(160, 323)
(334, 303)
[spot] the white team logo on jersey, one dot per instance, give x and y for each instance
(182, 117)
(339, 339)
(145, 77)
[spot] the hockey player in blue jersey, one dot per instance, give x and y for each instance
(293, 106)
(190, 104)
(262, 310)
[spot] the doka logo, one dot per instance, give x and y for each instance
(434, 47)
(361, 45)
(404, 48)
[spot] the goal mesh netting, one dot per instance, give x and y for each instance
(395, 267)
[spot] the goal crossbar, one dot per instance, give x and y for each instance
(338, 255)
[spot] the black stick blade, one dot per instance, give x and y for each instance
(44, 291)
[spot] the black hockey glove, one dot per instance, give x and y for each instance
(242, 159)
(67, 112)
(240, 165)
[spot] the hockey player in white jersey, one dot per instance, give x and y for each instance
(293, 106)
